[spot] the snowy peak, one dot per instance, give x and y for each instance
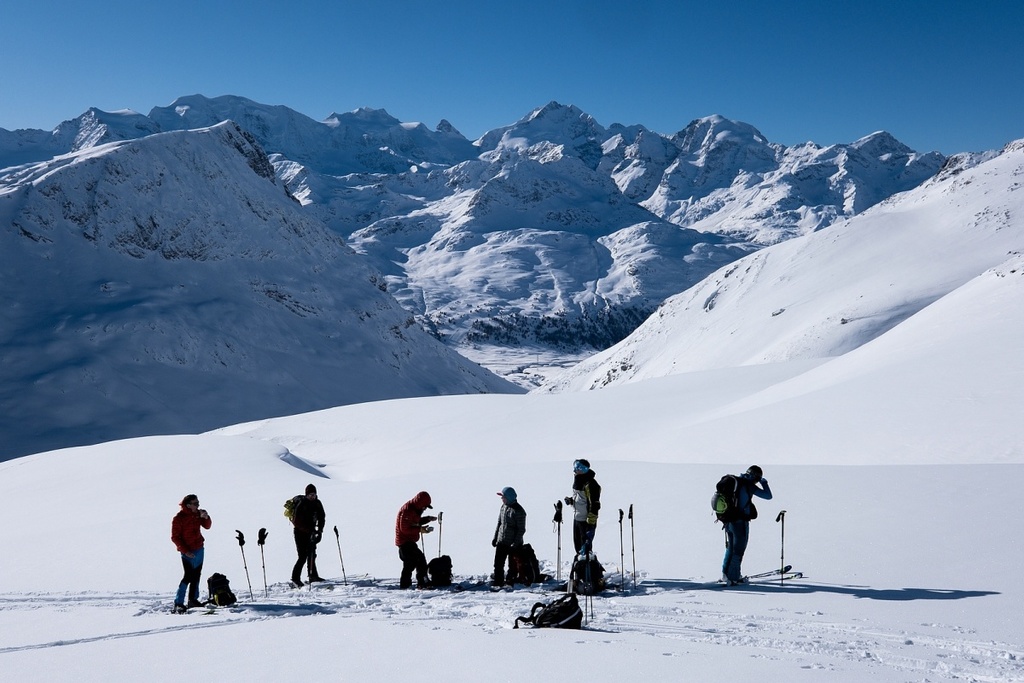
(702, 135)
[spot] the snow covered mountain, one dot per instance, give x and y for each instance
(873, 274)
(170, 284)
(551, 235)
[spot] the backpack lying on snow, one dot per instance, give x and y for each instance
(524, 566)
(587, 576)
(564, 612)
(725, 500)
(440, 571)
(220, 591)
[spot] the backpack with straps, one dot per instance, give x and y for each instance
(524, 566)
(587, 575)
(439, 570)
(290, 506)
(725, 500)
(220, 591)
(564, 612)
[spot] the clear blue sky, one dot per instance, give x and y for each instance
(944, 75)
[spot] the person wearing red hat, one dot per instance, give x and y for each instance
(409, 525)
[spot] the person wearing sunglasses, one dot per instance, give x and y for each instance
(187, 536)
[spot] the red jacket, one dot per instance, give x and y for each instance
(410, 518)
(185, 530)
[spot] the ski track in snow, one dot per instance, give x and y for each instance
(693, 617)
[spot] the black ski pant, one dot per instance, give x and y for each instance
(413, 560)
(583, 534)
(193, 567)
(306, 549)
(502, 551)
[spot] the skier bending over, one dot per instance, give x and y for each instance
(410, 523)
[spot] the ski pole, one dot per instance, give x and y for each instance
(632, 543)
(782, 557)
(241, 542)
(263, 560)
(557, 521)
(440, 529)
(338, 539)
(622, 556)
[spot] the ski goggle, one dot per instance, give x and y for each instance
(580, 468)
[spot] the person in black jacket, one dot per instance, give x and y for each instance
(308, 519)
(586, 504)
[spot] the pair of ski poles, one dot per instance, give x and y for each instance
(261, 541)
(632, 543)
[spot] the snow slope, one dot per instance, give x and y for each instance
(827, 293)
(887, 460)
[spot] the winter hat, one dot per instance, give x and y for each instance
(310, 489)
(508, 493)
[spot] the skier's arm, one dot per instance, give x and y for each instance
(764, 491)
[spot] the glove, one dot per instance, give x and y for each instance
(426, 529)
(428, 518)
(592, 519)
(316, 537)
(764, 482)
(494, 543)
(568, 500)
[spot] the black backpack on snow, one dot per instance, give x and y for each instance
(220, 591)
(524, 566)
(587, 576)
(564, 612)
(725, 500)
(440, 571)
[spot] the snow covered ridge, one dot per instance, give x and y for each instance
(826, 294)
(170, 284)
(554, 232)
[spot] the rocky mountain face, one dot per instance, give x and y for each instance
(552, 234)
(171, 284)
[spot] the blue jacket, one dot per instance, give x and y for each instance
(759, 489)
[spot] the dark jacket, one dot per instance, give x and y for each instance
(511, 525)
(309, 516)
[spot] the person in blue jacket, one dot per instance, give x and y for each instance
(737, 532)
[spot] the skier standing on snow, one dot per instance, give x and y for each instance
(309, 520)
(187, 536)
(410, 523)
(737, 533)
(508, 535)
(586, 504)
